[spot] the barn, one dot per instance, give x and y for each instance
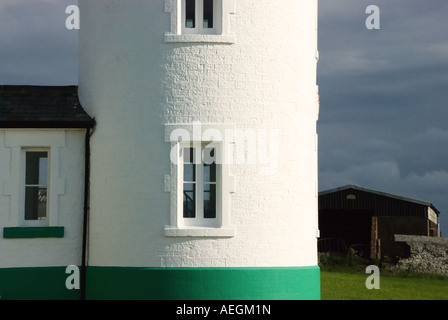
(366, 220)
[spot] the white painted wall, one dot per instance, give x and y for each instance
(66, 194)
(133, 83)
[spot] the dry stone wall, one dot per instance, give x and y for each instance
(427, 254)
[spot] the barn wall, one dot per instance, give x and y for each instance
(340, 216)
(389, 226)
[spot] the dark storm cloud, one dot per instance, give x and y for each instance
(35, 46)
(383, 98)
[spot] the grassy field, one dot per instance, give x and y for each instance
(349, 284)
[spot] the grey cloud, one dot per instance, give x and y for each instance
(383, 98)
(36, 45)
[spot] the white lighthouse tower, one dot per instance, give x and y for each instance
(203, 174)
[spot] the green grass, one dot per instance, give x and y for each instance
(349, 284)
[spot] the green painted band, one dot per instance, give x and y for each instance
(33, 232)
(109, 283)
(40, 283)
(252, 283)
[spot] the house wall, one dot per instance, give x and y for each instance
(262, 79)
(35, 267)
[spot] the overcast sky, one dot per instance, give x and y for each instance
(383, 98)
(383, 93)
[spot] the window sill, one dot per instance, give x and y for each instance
(199, 38)
(226, 232)
(33, 232)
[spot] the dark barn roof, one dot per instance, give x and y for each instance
(42, 107)
(382, 202)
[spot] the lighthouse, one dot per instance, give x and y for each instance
(203, 158)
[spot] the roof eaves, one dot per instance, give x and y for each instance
(47, 124)
(381, 193)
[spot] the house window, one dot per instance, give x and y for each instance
(200, 186)
(200, 182)
(36, 185)
(201, 16)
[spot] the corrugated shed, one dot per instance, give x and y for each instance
(382, 204)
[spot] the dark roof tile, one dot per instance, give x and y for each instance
(42, 107)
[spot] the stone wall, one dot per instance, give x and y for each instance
(427, 254)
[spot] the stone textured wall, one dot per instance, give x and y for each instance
(427, 254)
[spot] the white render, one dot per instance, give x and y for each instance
(65, 196)
(139, 80)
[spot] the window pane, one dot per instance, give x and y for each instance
(209, 201)
(208, 14)
(210, 172)
(36, 168)
(189, 155)
(43, 166)
(209, 165)
(189, 200)
(190, 13)
(189, 172)
(35, 203)
(189, 166)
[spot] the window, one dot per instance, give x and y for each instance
(200, 186)
(199, 181)
(200, 16)
(200, 21)
(36, 185)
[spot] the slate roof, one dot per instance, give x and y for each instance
(42, 107)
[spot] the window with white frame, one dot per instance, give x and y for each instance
(35, 188)
(201, 16)
(200, 21)
(201, 186)
(199, 181)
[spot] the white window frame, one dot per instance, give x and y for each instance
(199, 13)
(36, 222)
(199, 220)
(220, 33)
(199, 226)
(18, 141)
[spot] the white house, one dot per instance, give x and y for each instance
(203, 158)
(42, 173)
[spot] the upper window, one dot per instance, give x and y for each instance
(200, 21)
(201, 16)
